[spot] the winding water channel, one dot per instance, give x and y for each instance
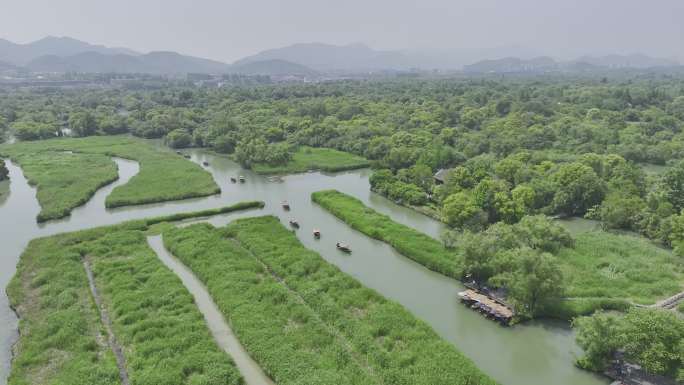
(538, 353)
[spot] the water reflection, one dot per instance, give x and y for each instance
(531, 354)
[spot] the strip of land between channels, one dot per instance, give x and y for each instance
(219, 327)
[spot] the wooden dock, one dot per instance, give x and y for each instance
(489, 307)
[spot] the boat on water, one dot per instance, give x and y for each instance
(294, 223)
(205, 163)
(186, 156)
(286, 206)
(316, 233)
(179, 153)
(343, 247)
(242, 179)
(233, 179)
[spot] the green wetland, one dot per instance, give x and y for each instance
(528, 354)
(315, 158)
(344, 332)
(602, 270)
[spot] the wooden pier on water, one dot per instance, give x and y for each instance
(488, 306)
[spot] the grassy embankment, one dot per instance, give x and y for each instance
(304, 320)
(163, 176)
(613, 271)
(315, 158)
(413, 244)
(602, 271)
(164, 337)
(64, 181)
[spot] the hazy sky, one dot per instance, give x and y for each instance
(228, 29)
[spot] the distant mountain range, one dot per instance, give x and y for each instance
(360, 58)
(271, 67)
(627, 61)
(64, 54)
(583, 64)
(22, 54)
(513, 64)
(328, 57)
(153, 62)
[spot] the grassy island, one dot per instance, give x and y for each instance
(67, 172)
(315, 158)
(411, 243)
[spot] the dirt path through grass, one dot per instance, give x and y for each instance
(671, 302)
(104, 316)
(217, 324)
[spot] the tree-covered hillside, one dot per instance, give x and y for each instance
(561, 146)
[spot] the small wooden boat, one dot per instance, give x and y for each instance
(294, 223)
(286, 206)
(343, 247)
(205, 163)
(233, 179)
(316, 233)
(242, 179)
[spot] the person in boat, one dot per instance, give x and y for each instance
(317, 233)
(294, 223)
(286, 205)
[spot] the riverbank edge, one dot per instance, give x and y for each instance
(109, 202)
(331, 169)
(293, 167)
(144, 224)
(283, 171)
(565, 310)
(42, 218)
(448, 268)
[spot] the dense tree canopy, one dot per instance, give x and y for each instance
(653, 338)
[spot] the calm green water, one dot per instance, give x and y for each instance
(532, 354)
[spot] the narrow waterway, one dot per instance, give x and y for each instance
(218, 325)
(532, 354)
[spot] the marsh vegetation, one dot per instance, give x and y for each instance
(153, 316)
(68, 171)
(65, 180)
(314, 159)
(300, 317)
